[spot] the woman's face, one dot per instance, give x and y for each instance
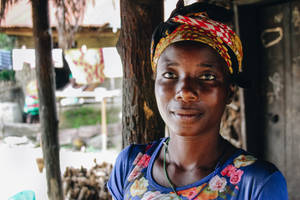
(191, 88)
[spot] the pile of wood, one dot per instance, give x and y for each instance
(83, 184)
(231, 122)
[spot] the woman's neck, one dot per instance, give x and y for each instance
(195, 152)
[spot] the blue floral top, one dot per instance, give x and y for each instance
(241, 177)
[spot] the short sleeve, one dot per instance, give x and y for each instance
(275, 188)
(119, 173)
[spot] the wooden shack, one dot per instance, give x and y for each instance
(270, 32)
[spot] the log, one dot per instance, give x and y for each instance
(19, 129)
(47, 105)
(140, 117)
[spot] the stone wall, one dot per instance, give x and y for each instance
(9, 91)
(11, 98)
(10, 112)
(24, 76)
(12, 95)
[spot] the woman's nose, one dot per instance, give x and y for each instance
(186, 91)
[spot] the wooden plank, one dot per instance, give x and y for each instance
(103, 124)
(278, 69)
(249, 35)
(87, 36)
(241, 90)
(92, 41)
(274, 34)
(140, 117)
(247, 2)
(293, 105)
(47, 108)
(251, 2)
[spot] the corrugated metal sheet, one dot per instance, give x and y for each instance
(5, 60)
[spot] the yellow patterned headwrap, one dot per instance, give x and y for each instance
(199, 27)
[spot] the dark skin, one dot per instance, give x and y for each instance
(192, 91)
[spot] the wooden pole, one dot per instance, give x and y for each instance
(241, 90)
(103, 124)
(46, 87)
(141, 121)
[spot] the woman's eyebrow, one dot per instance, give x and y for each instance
(167, 62)
(170, 63)
(206, 65)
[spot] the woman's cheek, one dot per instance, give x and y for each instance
(161, 87)
(163, 93)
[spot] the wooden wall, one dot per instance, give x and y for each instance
(271, 37)
(90, 39)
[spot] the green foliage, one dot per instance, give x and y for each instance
(7, 42)
(83, 116)
(7, 75)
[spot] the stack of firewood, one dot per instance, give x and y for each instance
(83, 184)
(231, 122)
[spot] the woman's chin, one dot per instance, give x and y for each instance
(186, 130)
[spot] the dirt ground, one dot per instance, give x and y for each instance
(19, 170)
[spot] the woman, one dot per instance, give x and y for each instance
(197, 62)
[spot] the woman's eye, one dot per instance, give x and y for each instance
(207, 77)
(169, 75)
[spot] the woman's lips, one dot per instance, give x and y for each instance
(187, 114)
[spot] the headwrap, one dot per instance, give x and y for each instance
(200, 22)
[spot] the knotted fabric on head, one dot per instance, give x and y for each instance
(200, 22)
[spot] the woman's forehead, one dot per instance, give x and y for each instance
(175, 53)
(186, 49)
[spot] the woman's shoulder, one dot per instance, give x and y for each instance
(253, 166)
(258, 177)
(132, 151)
(130, 157)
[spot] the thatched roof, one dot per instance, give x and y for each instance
(99, 15)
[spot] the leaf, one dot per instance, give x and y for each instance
(222, 195)
(4, 5)
(228, 189)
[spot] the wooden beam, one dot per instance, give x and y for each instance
(103, 124)
(46, 85)
(241, 90)
(246, 2)
(251, 2)
(83, 31)
(141, 120)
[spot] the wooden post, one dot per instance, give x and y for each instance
(46, 86)
(103, 124)
(141, 120)
(241, 90)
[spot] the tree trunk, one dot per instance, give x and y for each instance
(61, 25)
(46, 85)
(141, 120)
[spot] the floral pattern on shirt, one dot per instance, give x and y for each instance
(207, 194)
(191, 192)
(141, 162)
(233, 173)
(221, 186)
(217, 183)
(150, 195)
(139, 187)
(243, 161)
(159, 196)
